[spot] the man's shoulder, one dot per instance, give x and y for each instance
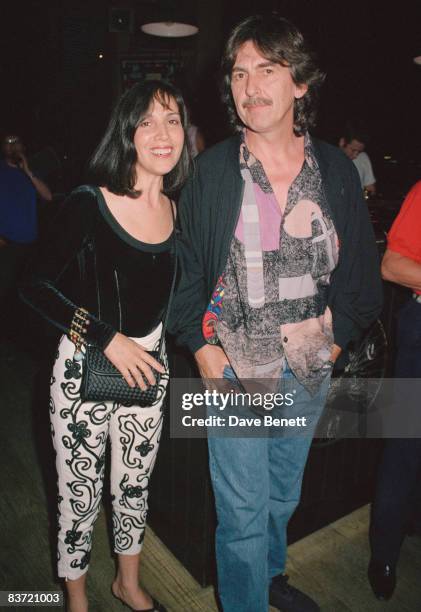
(330, 153)
(334, 163)
(218, 154)
(416, 191)
(362, 160)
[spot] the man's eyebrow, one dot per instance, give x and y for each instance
(266, 64)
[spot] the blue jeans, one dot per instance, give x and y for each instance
(257, 485)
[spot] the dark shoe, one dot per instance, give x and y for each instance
(382, 578)
(156, 605)
(289, 599)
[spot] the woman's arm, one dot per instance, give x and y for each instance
(56, 254)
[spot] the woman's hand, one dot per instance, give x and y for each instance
(131, 360)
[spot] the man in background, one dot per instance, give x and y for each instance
(19, 189)
(400, 468)
(353, 143)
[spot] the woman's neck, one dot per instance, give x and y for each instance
(151, 189)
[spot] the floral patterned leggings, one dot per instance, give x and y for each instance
(80, 431)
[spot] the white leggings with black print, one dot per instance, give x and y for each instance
(80, 432)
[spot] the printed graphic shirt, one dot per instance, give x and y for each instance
(275, 284)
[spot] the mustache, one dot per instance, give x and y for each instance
(255, 101)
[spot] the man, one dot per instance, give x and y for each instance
(353, 145)
(262, 219)
(400, 468)
(19, 188)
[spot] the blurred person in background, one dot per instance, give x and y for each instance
(19, 190)
(399, 476)
(353, 143)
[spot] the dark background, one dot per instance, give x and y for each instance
(57, 92)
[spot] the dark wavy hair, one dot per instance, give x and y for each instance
(113, 163)
(281, 42)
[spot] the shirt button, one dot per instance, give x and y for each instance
(285, 339)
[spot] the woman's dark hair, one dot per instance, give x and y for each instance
(113, 163)
(281, 42)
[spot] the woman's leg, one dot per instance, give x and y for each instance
(79, 433)
(77, 600)
(134, 434)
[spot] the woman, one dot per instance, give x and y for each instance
(109, 263)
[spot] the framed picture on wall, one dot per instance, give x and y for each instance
(145, 68)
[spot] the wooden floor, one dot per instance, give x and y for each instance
(330, 564)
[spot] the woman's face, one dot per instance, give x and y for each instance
(159, 139)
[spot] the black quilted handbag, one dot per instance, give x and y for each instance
(102, 382)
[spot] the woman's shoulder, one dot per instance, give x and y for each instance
(85, 193)
(79, 207)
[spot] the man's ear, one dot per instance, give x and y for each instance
(300, 90)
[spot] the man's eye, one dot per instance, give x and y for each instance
(145, 123)
(174, 121)
(268, 70)
(238, 76)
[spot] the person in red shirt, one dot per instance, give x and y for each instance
(401, 462)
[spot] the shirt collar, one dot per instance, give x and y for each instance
(309, 154)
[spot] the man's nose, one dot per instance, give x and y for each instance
(252, 86)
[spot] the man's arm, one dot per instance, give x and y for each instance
(355, 296)
(41, 188)
(401, 270)
(369, 178)
(192, 297)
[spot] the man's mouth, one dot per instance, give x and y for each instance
(162, 152)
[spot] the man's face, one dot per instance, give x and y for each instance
(263, 91)
(351, 149)
(12, 148)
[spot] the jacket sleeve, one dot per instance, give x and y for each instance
(56, 254)
(190, 300)
(356, 295)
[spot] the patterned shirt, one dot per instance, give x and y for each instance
(277, 275)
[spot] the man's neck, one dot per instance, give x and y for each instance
(275, 147)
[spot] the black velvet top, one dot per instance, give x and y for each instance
(88, 260)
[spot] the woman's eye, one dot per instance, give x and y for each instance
(174, 121)
(145, 123)
(238, 76)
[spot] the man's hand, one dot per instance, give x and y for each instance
(23, 164)
(211, 361)
(336, 351)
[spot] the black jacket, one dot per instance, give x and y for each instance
(208, 212)
(64, 274)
